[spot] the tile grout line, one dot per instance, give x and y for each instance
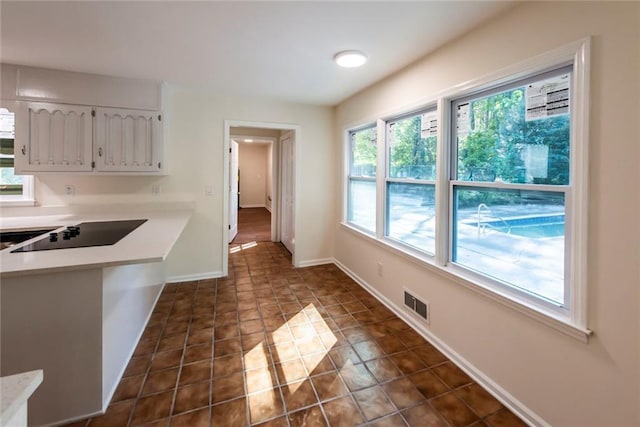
(153, 356)
(266, 271)
(184, 349)
(213, 349)
(244, 370)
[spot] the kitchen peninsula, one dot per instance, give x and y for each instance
(78, 313)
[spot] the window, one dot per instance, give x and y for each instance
(14, 189)
(490, 187)
(410, 182)
(361, 205)
(510, 181)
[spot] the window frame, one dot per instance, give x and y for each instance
(431, 107)
(564, 308)
(350, 178)
(27, 198)
(572, 322)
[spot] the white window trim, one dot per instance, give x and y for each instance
(26, 199)
(384, 163)
(575, 323)
(348, 159)
(552, 307)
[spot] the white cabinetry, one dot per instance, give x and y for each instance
(53, 138)
(71, 138)
(128, 140)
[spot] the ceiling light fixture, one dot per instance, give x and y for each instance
(248, 140)
(350, 58)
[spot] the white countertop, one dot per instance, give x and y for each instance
(150, 242)
(14, 392)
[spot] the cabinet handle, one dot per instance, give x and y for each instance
(24, 150)
(100, 151)
(159, 165)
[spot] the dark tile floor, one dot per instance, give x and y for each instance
(272, 345)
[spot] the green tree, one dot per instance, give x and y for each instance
(412, 156)
(498, 135)
(496, 146)
(364, 152)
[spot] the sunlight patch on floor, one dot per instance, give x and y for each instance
(302, 331)
(242, 247)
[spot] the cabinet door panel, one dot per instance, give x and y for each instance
(128, 140)
(53, 138)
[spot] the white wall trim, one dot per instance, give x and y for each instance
(74, 419)
(506, 398)
(314, 262)
(196, 276)
(253, 206)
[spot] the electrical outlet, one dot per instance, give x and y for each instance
(380, 268)
(69, 190)
(156, 189)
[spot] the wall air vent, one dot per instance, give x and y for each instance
(419, 307)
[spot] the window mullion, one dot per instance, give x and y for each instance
(510, 186)
(442, 183)
(381, 175)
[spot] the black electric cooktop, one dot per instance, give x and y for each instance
(83, 235)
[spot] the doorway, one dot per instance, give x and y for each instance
(280, 182)
(251, 187)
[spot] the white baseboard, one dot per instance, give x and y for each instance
(252, 206)
(314, 262)
(197, 276)
(73, 419)
(491, 386)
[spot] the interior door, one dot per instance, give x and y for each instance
(287, 226)
(233, 190)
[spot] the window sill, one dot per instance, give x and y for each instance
(552, 320)
(9, 202)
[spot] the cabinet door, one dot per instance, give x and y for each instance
(128, 140)
(53, 138)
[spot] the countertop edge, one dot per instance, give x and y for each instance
(79, 267)
(15, 390)
(152, 242)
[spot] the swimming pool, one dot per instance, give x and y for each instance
(535, 227)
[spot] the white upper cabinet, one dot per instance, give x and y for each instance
(68, 122)
(53, 138)
(128, 140)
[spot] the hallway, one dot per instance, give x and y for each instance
(254, 225)
(273, 345)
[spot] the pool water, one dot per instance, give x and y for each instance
(536, 227)
(535, 231)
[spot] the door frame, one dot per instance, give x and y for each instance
(274, 183)
(237, 189)
(276, 186)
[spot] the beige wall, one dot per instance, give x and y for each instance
(563, 381)
(194, 137)
(253, 159)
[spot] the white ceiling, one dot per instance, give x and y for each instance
(279, 50)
